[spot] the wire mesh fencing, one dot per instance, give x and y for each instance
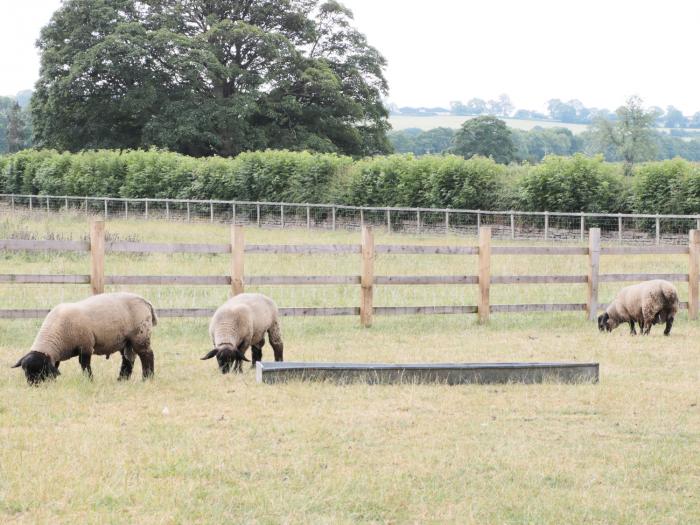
(505, 225)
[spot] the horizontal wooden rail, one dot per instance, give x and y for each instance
(426, 250)
(155, 247)
(267, 280)
(425, 279)
(538, 279)
(302, 249)
(644, 250)
(415, 310)
(44, 279)
(31, 245)
(566, 307)
(538, 250)
(31, 313)
(206, 280)
(625, 277)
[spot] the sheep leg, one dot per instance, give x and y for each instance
(669, 325)
(275, 336)
(257, 352)
(127, 367)
(632, 330)
(147, 362)
(84, 360)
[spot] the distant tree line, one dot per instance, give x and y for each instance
(568, 112)
(15, 123)
(629, 138)
(570, 184)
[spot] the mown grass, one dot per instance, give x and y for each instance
(229, 450)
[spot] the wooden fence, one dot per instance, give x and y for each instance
(98, 246)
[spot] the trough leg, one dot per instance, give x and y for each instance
(84, 360)
(275, 336)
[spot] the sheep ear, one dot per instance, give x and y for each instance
(19, 363)
(212, 353)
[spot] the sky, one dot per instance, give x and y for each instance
(600, 52)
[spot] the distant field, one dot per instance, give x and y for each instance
(228, 450)
(400, 122)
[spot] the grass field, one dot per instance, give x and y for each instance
(228, 450)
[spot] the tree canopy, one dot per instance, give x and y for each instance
(209, 77)
(631, 136)
(487, 137)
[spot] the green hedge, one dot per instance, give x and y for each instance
(556, 184)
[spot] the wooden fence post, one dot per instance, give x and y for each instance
(237, 259)
(97, 257)
(367, 277)
(484, 306)
(693, 273)
(593, 272)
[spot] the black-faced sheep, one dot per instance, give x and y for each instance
(647, 303)
(239, 323)
(100, 325)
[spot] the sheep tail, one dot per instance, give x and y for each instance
(154, 317)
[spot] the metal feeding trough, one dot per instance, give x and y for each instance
(445, 373)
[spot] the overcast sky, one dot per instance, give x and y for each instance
(599, 52)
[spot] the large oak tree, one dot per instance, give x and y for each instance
(209, 77)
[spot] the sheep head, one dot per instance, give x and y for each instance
(607, 323)
(37, 367)
(227, 356)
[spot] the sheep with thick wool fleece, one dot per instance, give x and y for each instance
(241, 322)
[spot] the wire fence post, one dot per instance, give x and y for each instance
(512, 225)
(233, 213)
(282, 215)
(484, 306)
(546, 225)
(478, 222)
(97, 257)
(146, 209)
(188, 211)
(388, 220)
(362, 218)
(167, 210)
(86, 207)
(66, 203)
(257, 210)
(105, 209)
(308, 217)
(126, 208)
(47, 206)
(211, 211)
(13, 203)
(619, 228)
(658, 230)
(583, 227)
(30, 204)
(333, 217)
(418, 221)
(447, 222)
(367, 278)
(593, 272)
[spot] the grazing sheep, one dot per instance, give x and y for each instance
(242, 322)
(647, 303)
(100, 325)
